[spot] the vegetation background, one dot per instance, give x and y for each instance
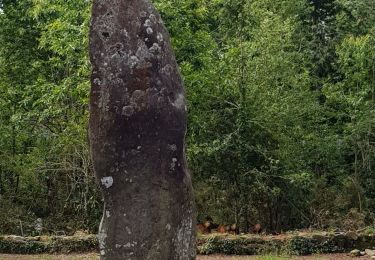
(281, 112)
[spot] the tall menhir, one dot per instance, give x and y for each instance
(137, 130)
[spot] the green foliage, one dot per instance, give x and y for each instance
(76, 244)
(280, 123)
(44, 81)
(237, 246)
(21, 247)
(319, 245)
(290, 245)
(229, 245)
(210, 246)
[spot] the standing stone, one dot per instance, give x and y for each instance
(137, 130)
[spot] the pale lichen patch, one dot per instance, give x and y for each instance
(137, 95)
(142, 51)
(179, 102)
(102, 236)
(97, 81)
(153, 18)
(159, 36)
(128, 230)
(107, 181)
(147, 23)
(182, 240)
(125, 33)
(130, 244)
(173, 164)
(143, 14)
(127, 111)
(155, 48)
(133, 61)
(149, 30)
(167, 70)
(104, 100)
(172, 147)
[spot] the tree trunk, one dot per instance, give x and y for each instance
(137, 130)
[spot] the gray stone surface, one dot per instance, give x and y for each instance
(370, 252)
(137, 130)
(355, 252)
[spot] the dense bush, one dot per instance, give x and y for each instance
(230, 245)
(281, 112)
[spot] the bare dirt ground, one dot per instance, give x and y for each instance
(200, 257)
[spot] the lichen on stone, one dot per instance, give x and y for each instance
(172, 147)
(179, 102)
(182, 238)
(107, 181)
(173, 164)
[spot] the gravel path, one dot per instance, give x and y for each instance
(211, 257)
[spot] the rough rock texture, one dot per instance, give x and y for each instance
(137, 130)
